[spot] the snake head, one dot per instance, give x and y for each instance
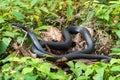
(16, 25)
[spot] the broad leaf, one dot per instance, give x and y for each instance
(27, 70)
(45, 68)
(90, 15)
(1, 20)
(118, 33)
(4, 44)
(18, 15)
(115, 68)
(69, 12)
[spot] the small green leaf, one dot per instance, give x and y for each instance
(115, 49)
(82, 78)
(90, 15)
(70, 64)
(69, 12)
(60, 75)
(106, 17)
(30, 76)
(115, 68)
(4, 44)
(45, 68)
(33, 2)
(81, 65)
(99, 75)
(44, 9)
(77, 72)
(89, 71)
(112, 78)
(8, 34)
(43, 27)
(18, 15)
(27, 70)
(115, 53)
(1, 20)
(118, 33)
(115, 61)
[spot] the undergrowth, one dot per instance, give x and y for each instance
(39, 15)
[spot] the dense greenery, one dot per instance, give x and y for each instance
(27, 68)
(40, 14)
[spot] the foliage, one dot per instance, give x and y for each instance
(106, 15)
(26, 68)
(39, 15)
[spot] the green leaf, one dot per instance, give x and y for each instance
(60, 75)
(115, 53)
(77, 72)
(30, 76)
(4, 44)
(45, 68)
(83, 78)
(90, 15)
(118, 33)
(81, 65)
(89, 71)
(115, 49)
(106, 17)
(112, 78)
(115, 68)
(18, 15)
(69, 12)
(27, 70)
(44, 9)
(1, 20)
(45, 27)
(115, 61)
(70, 64)
(99, 75)
(33, 2)
(8, 34)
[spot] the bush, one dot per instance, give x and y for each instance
(27, 68)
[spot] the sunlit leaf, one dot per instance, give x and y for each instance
(111, 78)
(115, 49)
(90, 15)
(45, 68)
(115, 68)
(115, 61)
(106, 17)
(4, 44)
(27, 70)
(44, 9)
(88, 71)
(69, 12)
(18, 15)
(99, 75)
(61, 75)
(33, 2)
(118, 33)
(45, 27)
(70, 64)
(82, 78)
(81, 65)
(1, 20)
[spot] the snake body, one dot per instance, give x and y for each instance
(38, 49)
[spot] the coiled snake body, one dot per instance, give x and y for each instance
(38, 49)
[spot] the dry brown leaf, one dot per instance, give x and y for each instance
(53, 34)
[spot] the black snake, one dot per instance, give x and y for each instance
(38, 46)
